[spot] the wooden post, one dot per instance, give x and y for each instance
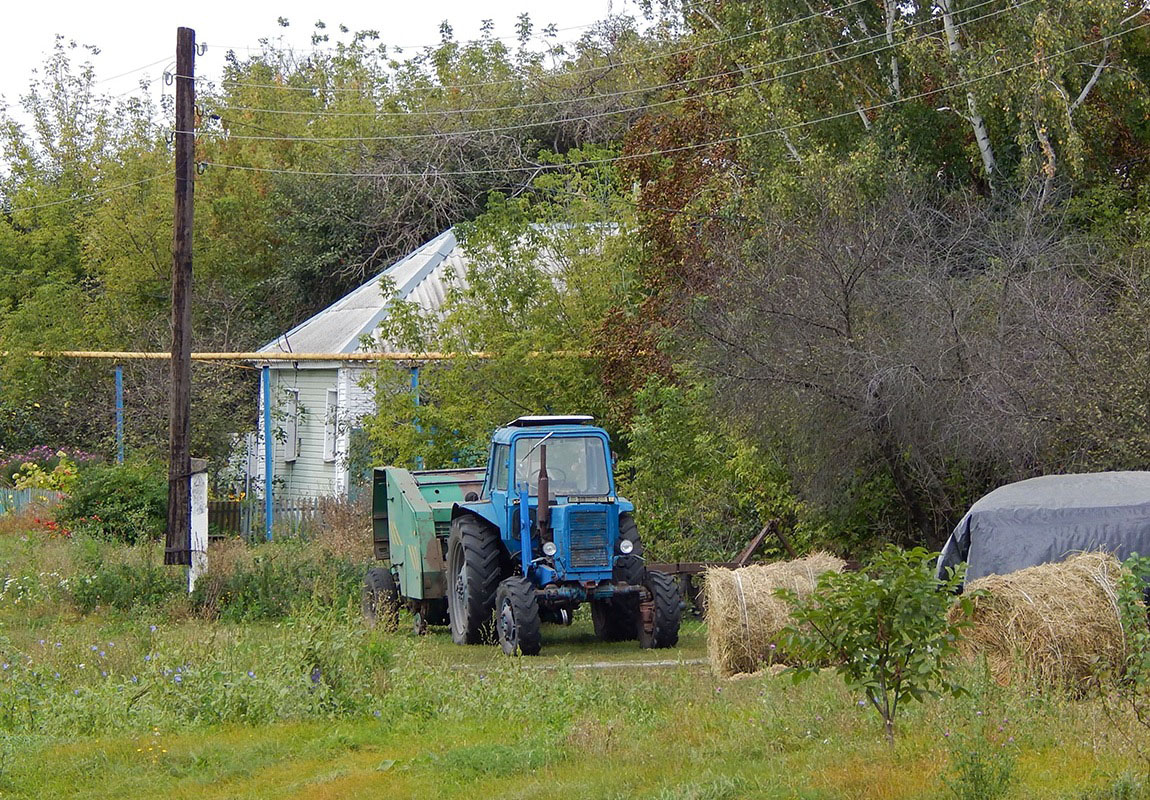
(177, 549)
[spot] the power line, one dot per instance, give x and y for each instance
(621, 65)
(134, 71)
(627, 109)
(89, 196)
(684, 82)
(683, 148)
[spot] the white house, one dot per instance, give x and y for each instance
(317, 404)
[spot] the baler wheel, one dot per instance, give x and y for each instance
(381, 599)
(517, 617)
(474, 569)
(667, 612)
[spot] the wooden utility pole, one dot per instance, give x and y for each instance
(177, 546)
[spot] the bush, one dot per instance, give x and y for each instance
(128, 502)
(125, 587)
(886, 629)
(121, 578)
(35, 468)
(271, 581)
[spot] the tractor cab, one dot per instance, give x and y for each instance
(546, 533)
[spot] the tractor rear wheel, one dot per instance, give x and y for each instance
(667, 612)
(381, 599)
(630, 568)
(474, 569)
(517, 617)
(615, 620)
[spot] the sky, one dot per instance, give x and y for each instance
(132, 34)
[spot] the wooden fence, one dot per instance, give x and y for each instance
(12, 500)
(246, 517)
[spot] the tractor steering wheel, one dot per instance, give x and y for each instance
(554, 475)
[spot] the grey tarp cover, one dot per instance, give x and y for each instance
(1049, 518)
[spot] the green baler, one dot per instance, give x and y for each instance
(411, 520)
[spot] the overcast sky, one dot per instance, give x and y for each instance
(131, 34)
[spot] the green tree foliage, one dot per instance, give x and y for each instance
(885, 629)
(541, 275)
(848, 265)
(702, 489)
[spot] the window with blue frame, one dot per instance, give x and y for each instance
(576, 465)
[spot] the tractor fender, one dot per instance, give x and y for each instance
(483, 510)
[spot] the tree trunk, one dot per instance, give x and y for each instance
(895, 81)
(977, 123)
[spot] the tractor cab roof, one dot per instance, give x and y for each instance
(539, 421)
(569, 424)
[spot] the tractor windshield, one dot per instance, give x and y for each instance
(576, 465)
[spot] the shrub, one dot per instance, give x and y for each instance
(44, 460)
(121, 578)
(125, 587)
(128, 502)
(1132, 690)
(271, 581)
(886, 630)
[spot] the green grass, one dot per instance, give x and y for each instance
(396, 715)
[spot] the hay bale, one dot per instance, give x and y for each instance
(744, 617)
(1053, 625)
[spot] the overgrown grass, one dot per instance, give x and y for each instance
(166, 700)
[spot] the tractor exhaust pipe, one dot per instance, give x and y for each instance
(543, 514)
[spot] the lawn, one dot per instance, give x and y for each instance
(162, 702)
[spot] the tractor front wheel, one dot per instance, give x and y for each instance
(381, 599)
(665, 611)
(517, 617)
(474, 569)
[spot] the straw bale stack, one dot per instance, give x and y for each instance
(1053, 625)
(744, 617)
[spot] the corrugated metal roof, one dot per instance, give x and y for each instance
(423, 277)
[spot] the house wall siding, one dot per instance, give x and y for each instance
(310, 474)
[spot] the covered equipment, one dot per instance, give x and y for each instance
(1047, 519)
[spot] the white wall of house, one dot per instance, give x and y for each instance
(310, 447)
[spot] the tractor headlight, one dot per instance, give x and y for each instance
(549, 549)
(626, 546)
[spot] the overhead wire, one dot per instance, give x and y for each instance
(625, 109)
(619, 65)
(134, 71)
(97, 193)
(683, 148)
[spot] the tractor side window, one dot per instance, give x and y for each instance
(499, 482)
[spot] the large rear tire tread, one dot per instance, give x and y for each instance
(517, 617)
(668, 611)
(475, 565)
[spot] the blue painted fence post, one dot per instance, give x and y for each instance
(266, 380)
(415, 392)
(119, 415)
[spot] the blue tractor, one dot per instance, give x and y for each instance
(544, 534)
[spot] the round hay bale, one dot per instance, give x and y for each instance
(744, 617)
(1054, 625)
